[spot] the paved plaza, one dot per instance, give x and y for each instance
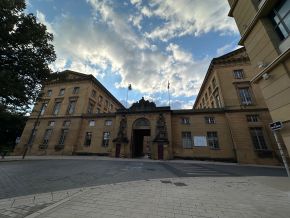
(102, 187)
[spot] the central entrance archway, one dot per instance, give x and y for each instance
(141, 129)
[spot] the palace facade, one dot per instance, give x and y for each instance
(76, 115)
(264, 26)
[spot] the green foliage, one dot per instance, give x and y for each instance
(25, 53)
(11, 127)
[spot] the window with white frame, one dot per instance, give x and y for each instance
(212, 140)
(238, 74)
(258, 138)
(63, 136)
(71, 106)
(186, 140)
(185, 120)
(92, 123)
(61, 92)
(46, 137)
(252, 118)
(209, 120)
(51, 123)
(245, 96)
(56, 108)
(280, 17)
(106, 139)
(108, 122)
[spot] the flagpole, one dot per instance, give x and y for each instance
(128, 89)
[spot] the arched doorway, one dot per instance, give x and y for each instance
(141, 129)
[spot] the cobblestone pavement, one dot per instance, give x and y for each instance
(177, 198)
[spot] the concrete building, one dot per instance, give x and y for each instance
(264, 26)
(228, 125)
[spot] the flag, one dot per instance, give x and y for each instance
(130, 87)
(168, 85)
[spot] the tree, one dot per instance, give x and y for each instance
(25, 54)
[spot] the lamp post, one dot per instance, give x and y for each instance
(29, 144)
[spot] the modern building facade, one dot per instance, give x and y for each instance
(264, 26)
(228, 125)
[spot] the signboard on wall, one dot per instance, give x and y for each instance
(199, 141)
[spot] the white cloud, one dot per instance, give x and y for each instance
(227, 48)
(189, 17)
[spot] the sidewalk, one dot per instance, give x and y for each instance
(19, 158)
(173, 197)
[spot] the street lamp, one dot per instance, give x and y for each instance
(29, 144)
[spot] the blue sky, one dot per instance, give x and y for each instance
(145, 43)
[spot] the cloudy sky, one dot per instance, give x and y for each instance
(145, 43)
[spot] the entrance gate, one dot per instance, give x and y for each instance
(141, 128)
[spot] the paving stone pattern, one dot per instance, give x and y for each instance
(198, 197)
(26, 205)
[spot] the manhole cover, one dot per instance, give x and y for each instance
(179, 184)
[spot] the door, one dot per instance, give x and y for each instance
(160, 151)
(118, 149)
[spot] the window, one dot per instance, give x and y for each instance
(61, 92)
(209, 120)
(213, 82)
(217, 99)
(111, 107)
(88, 139)
(71, 107)
(253, 118)
(280, 17)
(108, 123)
(51, 123)
(185, 120)
(209, 90)
(245, 96)
(49, 93)
(66, 123)
(62, 137)
(94, 93)
(258, 138)
(56, 108)
(92, 123)
(238, 74)
(100, 99)
(186, 140)
(76, 90)
(46, 137)
(90, 108)
(43, 107)
(98, 110)
(212, 140)
(32, 137)
(106, 139)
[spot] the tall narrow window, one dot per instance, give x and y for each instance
(49, 93)
(209, 120)
(90, 108)
(106, 139)
(212, 140)
(100, 99)
(56, 108)
(185, 120)
(258, 138)
(51, 123)
(62, 137)
(43, 108)
(245, 96)
(94, 93)
(76, 90)
(92, 123)
(61, 92)
(66, 123)
(71, 107)
(46, 137)
(32, 137)
(108, 122)
(186, 140)
(88, 139)
(253, 118)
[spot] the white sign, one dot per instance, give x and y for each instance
(199, 141)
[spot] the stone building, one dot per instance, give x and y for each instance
(227, 125)
(264, 26)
